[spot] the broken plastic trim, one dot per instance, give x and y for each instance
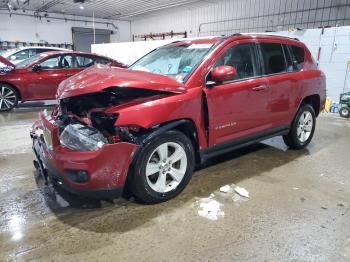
(89, 110)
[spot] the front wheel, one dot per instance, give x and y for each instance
(8, 97)
(302, 129)
(344, 112)
(163, 168)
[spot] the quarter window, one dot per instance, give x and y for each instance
(243, 58)
(273, 58)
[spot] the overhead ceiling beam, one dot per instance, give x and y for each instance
(48, 5)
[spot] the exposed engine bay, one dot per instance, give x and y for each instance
(83, 118)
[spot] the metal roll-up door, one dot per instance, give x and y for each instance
(83, 38)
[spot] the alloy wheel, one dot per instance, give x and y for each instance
(166, 167)
(305, 125)
(7, 98)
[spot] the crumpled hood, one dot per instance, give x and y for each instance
(6, 62)
(99, 77)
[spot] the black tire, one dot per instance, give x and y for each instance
(344, 112)
(292, 139)
(137, 182)
(8, 97)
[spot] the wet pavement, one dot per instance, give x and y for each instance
(298, 208)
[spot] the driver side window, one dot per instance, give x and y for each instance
(57, 62)
(243, 58)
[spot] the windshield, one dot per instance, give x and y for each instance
(28, 61)
(176, 62)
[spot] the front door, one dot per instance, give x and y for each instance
(239, 107)
(53, 71)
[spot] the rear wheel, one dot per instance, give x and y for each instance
(302, 129)
(163, 168)
(8, 97)
(344, 112)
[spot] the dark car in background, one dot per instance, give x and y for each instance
(38, 77)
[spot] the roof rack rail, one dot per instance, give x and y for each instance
(263, 34)
(235, 34)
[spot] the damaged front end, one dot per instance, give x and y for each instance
(85, 124)
(80, 147)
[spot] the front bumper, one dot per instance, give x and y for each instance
(107, 168)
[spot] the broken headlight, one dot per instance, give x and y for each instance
(82, 138)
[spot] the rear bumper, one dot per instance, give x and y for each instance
(107, 168)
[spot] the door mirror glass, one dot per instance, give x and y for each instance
(223, 73)
(36, 68)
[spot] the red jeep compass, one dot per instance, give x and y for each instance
(147, 127)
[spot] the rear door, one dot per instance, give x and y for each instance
(282, 81)
(239, 107)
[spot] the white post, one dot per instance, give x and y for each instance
(93, 25)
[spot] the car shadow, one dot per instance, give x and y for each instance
(122, 215)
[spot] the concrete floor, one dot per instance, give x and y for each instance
(298, 208)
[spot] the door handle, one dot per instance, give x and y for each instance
(259, 87)
(69, 75)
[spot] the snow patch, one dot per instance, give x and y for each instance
(242, 191)
(210, 208)
(225, 189)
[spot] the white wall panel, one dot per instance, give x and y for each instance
(30, 29)
(230, 16)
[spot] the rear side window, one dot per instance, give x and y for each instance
(84, 61)
(273, 58)
(243, 58)
(298, 55)
(103, 61)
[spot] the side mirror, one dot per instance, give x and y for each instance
(223, 73)
(13, 57)
(36, 68)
